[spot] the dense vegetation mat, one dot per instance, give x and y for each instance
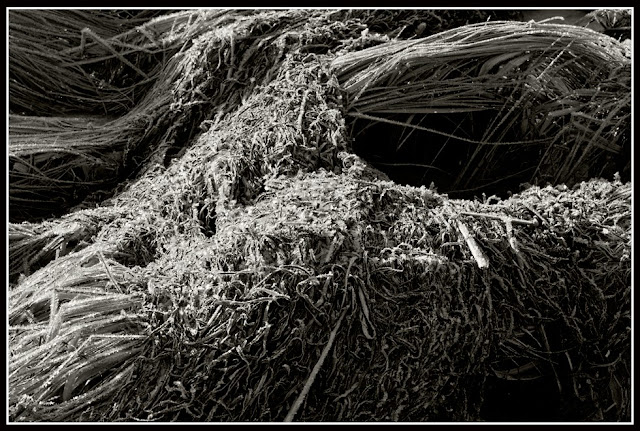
(256, 269)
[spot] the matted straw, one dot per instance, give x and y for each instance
(562, 89)
(74, 157)
(94, 62)
(285, 278)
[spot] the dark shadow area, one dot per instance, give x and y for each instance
(451, 157)
(522, 401)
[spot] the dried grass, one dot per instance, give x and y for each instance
(562, 91)
(269, 274)
(201, 79)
